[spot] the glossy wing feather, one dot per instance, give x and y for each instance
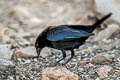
(66, 34)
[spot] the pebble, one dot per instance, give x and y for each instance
(82, 63)
(11, 78)
(104, 71)
(27, 61)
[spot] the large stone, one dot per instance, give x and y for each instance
(58, 73)
(5, 52)
(107, 6)
(107, 33)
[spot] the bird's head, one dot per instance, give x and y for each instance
(39, 44)
(38, 49)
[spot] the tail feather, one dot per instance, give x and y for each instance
(102, 19)
(90, 29)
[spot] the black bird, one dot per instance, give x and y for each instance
(66, 37)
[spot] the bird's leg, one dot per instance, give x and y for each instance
(64, 55)
(72, 55)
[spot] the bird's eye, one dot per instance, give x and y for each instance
(36, 45)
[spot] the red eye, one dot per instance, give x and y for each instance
(36, 45)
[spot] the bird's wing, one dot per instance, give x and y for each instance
(66, 34)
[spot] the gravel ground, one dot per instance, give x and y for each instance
(60, 12)
(29, 69)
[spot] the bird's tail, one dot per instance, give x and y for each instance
(102, 19)
(99, 22)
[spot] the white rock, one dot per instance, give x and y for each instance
(107, 6)
(5, 52)
(33, 21)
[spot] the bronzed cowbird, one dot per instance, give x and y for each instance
(66, 37)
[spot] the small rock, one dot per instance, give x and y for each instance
(103, 57)
(5, 63)
(11, 78)
(90, 65)
(35, 60)
(33, 22)
(58, 73)
(82, 63)
(5, 52)
(30, 52)
(104, 71)
(27, 61)
(109, 32)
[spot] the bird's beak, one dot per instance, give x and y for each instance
(38, 52)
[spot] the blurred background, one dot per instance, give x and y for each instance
(21, 21)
